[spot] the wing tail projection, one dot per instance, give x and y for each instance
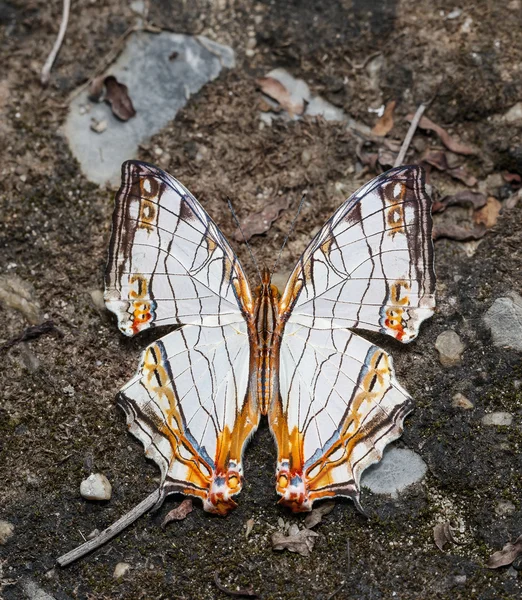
(190, 406)
(339, 406)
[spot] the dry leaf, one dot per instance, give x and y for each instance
(444, 136)
(474, 200)
(114, 93)
(277, 91)
(443, 535)
(249, 526)
(117, 95)
(260, 222)
(437, 159)
(458, 233)
(384, 124)
(316, 516)
(180, 512)
(505, 556)
(488, 215)
(462, 174)
(301, 542)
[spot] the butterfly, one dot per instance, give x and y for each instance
(331, 397)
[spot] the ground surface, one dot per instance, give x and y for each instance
(58, 419)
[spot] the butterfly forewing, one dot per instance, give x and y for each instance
(168, 262)
(370, 267)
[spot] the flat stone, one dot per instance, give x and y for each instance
(6, 532)
(398, 469)
(460, 401)
(96, 487)
(504, 508)
(158, 87)
(514, 114)
(450, 348)
(498, 418)
(121, 569)
(504, 320)
(34, 592)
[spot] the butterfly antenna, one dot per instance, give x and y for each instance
(291, 230)
(244, 238)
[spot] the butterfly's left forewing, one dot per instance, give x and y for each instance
(339, 404)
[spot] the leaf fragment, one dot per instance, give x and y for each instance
(277, 91)
(301, 542)
(384, 124)
(316, 516)
(260, 222)
(488, 214)
(505, 556)
(445, 138)
(442, 534)
(179, 513)
(458, 233)
(114, 93)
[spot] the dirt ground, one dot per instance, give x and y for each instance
(58, 418)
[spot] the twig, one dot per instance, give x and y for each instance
(409, 136)
(111, 531)
(32, 333)
(46, 71)
(236, 593)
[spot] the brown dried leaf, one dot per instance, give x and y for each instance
(180, 512)
(117, 95)
(458, 233)
(386, 157)
(301, 542)
(505, 556)
(466, 198)
(462, 174)
(444, 136)
(316, 516)
(443, 535)
(260, 222)
(437, 159)
(277, 91)
(96, 89)
(513, 178)
(488, 215)
(384, 124)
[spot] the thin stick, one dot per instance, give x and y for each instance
(409, 136)
(46, 71)
(111, 531)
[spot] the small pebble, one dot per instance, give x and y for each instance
(6, 531)
(121, 569)
(460, 579)
(460, 401)
(99, 126)
(96, 487)
(97, 299)
(504, 508)
(497, 418)
(94, 534)
(450, 348)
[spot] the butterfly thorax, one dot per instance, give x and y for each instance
(265, 342)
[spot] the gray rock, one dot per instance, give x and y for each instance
(34, 592)
(497, 418)
(504, 320)
(504, 508)
(450, 348)
(158, 87)
(96, 487)
(398, 469)
(18, 294)
(6, 531)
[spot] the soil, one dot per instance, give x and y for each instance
(58, 418)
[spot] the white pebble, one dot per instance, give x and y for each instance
(6, 531)
(450, 348)
(497, 418)
(121, 569)
(96, 487)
